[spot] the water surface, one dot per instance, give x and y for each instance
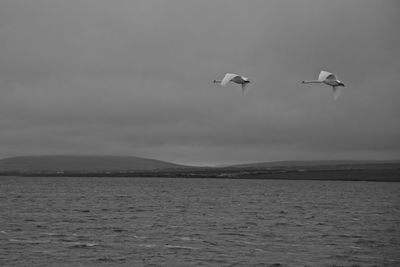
(197, 222)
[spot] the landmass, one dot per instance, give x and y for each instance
(111, 166)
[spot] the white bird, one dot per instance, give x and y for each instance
(329, 79)
(231, 77)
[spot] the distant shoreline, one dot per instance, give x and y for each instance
(372, 175)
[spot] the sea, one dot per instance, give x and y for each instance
(107, 221)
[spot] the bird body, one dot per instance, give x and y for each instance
(235, 78)
(328, 79)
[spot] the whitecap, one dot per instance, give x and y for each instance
(83, 245)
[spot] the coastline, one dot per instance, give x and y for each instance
(372, 175)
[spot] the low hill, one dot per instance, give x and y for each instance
(321, 164)
(82, 163)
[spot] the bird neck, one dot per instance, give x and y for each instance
(312, 81)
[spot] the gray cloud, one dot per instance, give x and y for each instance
(134, 78)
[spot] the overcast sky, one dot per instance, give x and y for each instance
(123, 77)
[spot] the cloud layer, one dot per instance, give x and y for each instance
(134, 78)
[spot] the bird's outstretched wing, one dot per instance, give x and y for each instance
(336, 92)
(228, 77)
(324, 75)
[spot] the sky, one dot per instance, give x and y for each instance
(122, 77)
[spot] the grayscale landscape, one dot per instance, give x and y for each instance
(199, 133)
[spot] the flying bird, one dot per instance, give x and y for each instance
(329, 79)
(231, 77)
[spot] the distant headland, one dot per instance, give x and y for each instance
(130, 166)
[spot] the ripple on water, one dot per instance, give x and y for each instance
(194, 222)
(82, 245)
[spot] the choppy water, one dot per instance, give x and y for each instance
(197, 222)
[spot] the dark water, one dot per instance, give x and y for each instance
(197, 222)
